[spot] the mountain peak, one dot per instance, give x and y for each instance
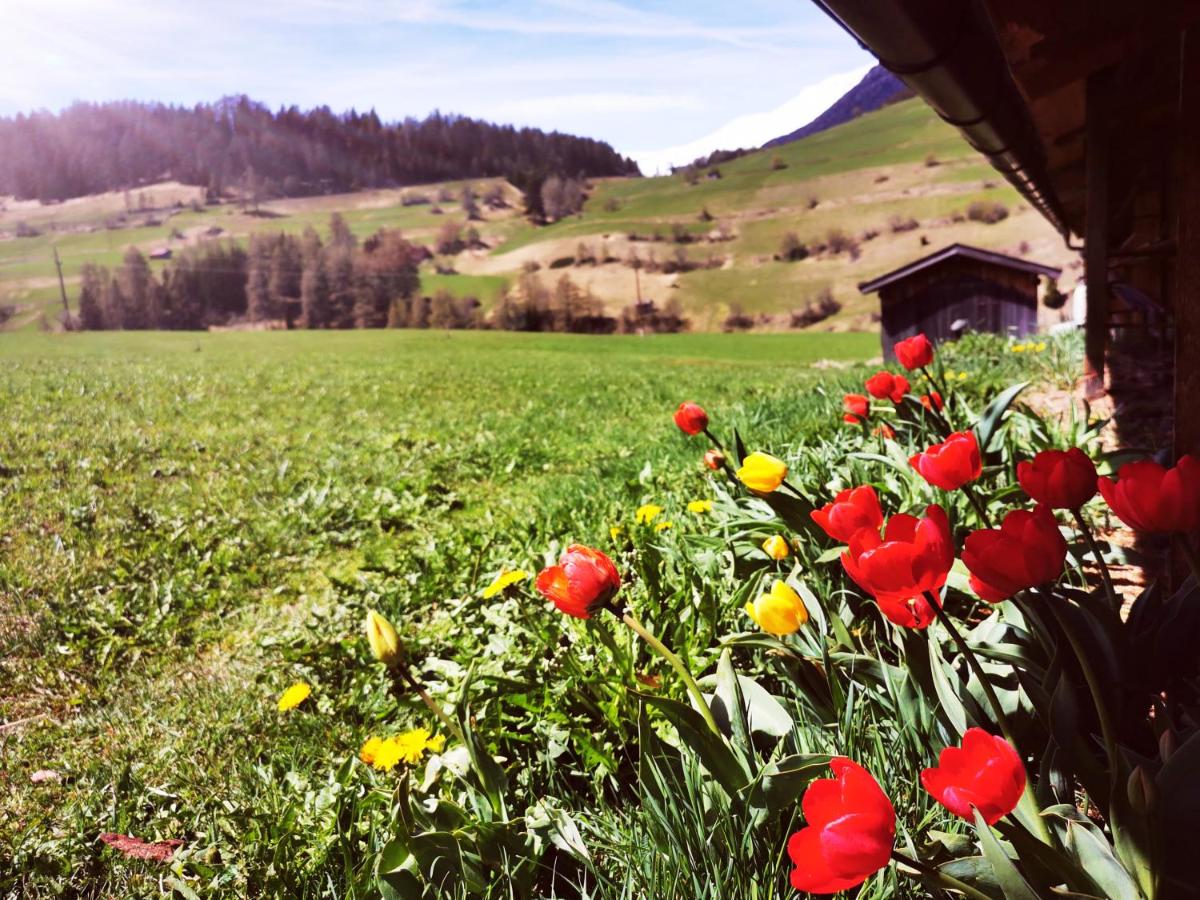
(878, 87)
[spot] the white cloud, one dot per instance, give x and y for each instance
(537, 108)
(754, 129)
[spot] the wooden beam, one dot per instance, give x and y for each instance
(1187, 260)
(1095, 253)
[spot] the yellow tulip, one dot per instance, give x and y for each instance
(776, 547)
(762, 472)
(700, 506)
(779, 612)
(385, 645)
(647, 513)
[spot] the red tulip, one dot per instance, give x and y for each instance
(912, 557)
(1152, 499)
(933, 401)
(1060, 479)
(1025, 551)
(914, 353)
(857, 408)
(886, 386)
(952, 463)
(851, 510)
(583, 581)
(884, 430)
(713, 458)
(985, 773)
(850, 832)
(691, 418)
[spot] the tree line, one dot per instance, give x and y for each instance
(302, 281)
(240, 145)
(298, 281)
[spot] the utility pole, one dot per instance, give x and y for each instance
(62, 285)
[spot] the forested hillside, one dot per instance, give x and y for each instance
(238, 144)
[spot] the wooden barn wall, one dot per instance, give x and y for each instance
(990, 298)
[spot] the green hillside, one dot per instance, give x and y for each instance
(898, 163)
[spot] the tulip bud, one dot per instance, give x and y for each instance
(1141, 790)
(1168, 743)
(714, 458)
(385, 645)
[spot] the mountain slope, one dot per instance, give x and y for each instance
(885, 188)
(878, 88)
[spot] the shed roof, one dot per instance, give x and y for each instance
(975, 253)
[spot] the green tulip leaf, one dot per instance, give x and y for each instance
(1008, 877)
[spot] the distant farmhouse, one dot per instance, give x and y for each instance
(955, 290)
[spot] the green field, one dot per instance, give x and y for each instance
(188, 523)
(854, 178)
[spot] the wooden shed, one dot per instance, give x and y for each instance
(955, 290)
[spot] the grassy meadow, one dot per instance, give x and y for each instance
(900, 161)
(189, 523)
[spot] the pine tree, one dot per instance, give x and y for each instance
(92, 281)
(314, 283)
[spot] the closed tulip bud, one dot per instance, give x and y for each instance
(1168, 743)
(856, 408)
(779, 612)
(1141, 790)
(714, 458)
(584, 581)
(691, 418)
(776, 547)
(385, 645)
(914, 353)
(762, 472)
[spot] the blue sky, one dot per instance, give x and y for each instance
(643, 77)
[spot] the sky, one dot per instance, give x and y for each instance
(668, 75)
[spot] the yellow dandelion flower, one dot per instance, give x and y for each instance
(700, 506)
(1017, 348)
(615, 532)
(387, 754)
(412, 744)
(776, 547)
(294, 696)
(504, 579)
(647, 513)
(962, 376)
(663, 526)
(436, 743)
(370, 749)
(1040, 346)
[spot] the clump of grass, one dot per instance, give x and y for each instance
(989, 212)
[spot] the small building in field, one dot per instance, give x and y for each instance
(955, 290)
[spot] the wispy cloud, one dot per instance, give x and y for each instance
(633, 75)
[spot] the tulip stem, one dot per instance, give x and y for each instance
(708, 434)
(434, 707)
(973, 664)
(1113, 599)
(1190, 554)
(1093, 683)
(938, 877)
(1029, 799)
(677, 664)
(980, 509)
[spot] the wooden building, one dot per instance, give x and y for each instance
(956, 290)
(1091, 109)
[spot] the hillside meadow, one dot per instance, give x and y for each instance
(895, 164)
